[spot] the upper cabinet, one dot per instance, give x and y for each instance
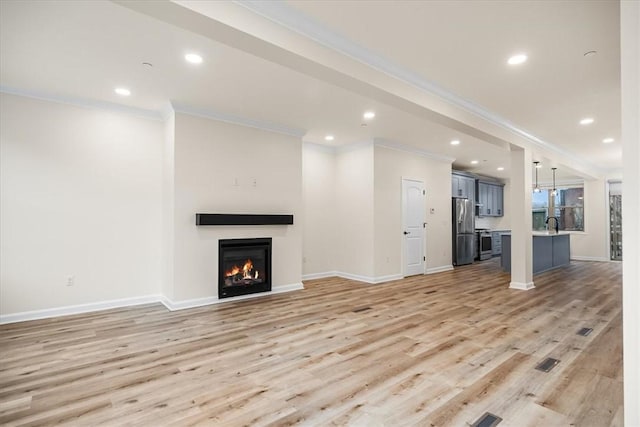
(463, 186)
(490, 199)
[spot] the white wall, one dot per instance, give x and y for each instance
(168, 206)
(391, 165)
(80, 194)
(630, 55)
(354, 210)
(319, 198)
(215, 166)
(592, 244)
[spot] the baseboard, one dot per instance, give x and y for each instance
(368, 279)
(521, 286)
(439, 269)
(387, 278)
(359, 278)
(589, 258)
(130, 302)
(199, 302)
(78, 309)
(190, 303)
(313, 276)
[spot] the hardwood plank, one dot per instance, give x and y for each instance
(439, 349)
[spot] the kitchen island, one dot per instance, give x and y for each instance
(549, 251)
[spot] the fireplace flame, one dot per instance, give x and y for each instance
(247, 271)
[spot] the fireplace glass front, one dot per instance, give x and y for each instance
(244, 266)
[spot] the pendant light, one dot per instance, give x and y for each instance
(554, 192)
(536, 189)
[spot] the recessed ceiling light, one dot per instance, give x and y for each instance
(608, 140)
(193, 58)
(517, 59)
(329, 138)
(122, 91)
(369, 115)
(586, 121)
(455, 142)
(500, 168)
(474, 162)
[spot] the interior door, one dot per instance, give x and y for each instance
(413, 214)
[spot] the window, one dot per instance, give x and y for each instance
(540, 208)
(567, 206)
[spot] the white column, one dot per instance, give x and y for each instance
(630, 68)
(521, 220)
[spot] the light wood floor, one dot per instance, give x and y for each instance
(438, 350)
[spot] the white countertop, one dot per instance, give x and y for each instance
(549, 233)
(543, 233)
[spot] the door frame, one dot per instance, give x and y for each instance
(402, 226)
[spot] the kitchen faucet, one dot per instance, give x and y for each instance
(554, 218)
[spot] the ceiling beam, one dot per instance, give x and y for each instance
(246, 26)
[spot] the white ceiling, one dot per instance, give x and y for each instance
(82, 50)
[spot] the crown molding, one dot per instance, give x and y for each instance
(237, 120)
(354, 146)
(163, 114)
(320, 147)
(413, 150)
(378, 142)
(81, 102)
(167, 111)
(288, 17)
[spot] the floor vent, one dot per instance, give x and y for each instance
(358, 310)
(487, 420)
(585, 331)
(547, 365)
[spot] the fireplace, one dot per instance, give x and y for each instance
(244, 266)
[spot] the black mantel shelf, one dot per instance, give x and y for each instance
(243, 219)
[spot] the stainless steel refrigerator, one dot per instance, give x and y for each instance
(463, 223)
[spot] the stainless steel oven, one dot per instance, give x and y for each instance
(484, 245)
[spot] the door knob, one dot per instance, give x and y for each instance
(406, 232)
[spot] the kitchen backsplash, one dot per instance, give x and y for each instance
(493, 223)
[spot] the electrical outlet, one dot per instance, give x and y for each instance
(71, 280)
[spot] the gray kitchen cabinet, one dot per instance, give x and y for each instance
(496, 241)
(455, 186)
(490, 199)
(500, 201)
(463, 186)
(483, 199)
